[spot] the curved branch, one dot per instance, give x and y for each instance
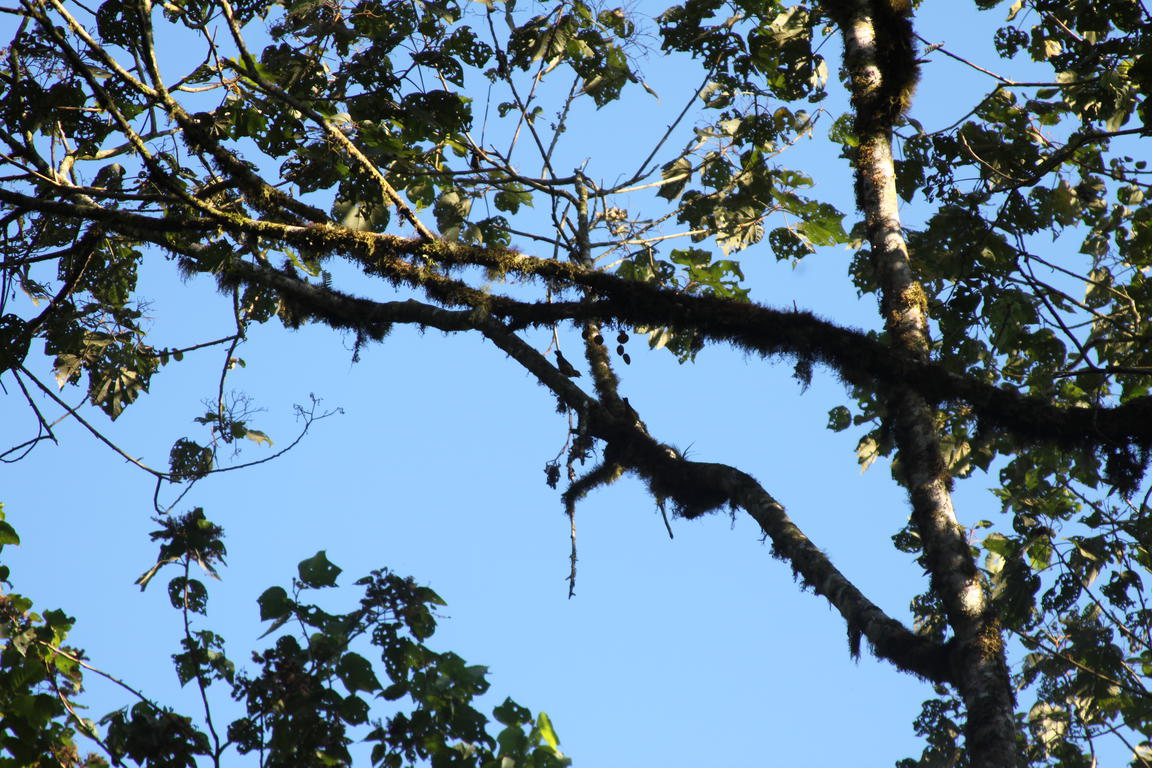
(855, 356)
(95, 432)
(694, 487)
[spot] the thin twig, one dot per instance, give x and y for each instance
(95, 432)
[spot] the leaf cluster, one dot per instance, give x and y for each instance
(308, 696)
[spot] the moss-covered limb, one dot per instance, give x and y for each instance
(856, 357)
(880, 60)
(852, 354)
(604, 473)
(980, 671)
(887, 638)
(694, 488)
(880, 55)
(311, 302)
(697, 487)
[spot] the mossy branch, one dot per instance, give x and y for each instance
(694, 488)
(855, 356)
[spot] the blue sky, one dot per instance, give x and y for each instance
(681, 652)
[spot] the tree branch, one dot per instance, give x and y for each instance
(694, 487)
(855, 356)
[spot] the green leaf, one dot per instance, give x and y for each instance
(395, 691)
(356, 673)
(354, 710)
(512, 714)
(839, 419)
(317, 571)
(188, 593)
(691, 257)
(544, 727)
(822, 225)
(787, 244)
(676, 176)
(188, 460)
(513, 745)
(274, 604)
(999, 544)
(511, 197)
(8, 534)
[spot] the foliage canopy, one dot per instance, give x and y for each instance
(305, 154)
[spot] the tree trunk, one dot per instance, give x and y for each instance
(880, 59)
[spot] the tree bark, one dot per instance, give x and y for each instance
(880, 59)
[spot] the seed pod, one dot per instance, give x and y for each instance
(598, 339)
(619, 349)
(622, 337)
(627, 359)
